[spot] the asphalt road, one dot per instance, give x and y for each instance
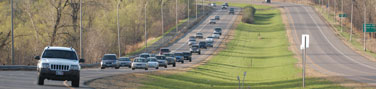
(28, 79)
(327, 53)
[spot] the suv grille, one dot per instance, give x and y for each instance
(59, 67)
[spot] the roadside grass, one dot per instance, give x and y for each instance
(150, 42)
(266, 59)
(357, 39)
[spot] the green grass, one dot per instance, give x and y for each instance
(357, 40)
(268, 62)
(150, 42)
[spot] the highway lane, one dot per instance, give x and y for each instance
(28, 79)
(327, 53)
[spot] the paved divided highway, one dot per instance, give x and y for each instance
(28, 79)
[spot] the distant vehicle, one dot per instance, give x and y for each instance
(218, 30)
(139, 63)
(202, 44)
(224, 7)
(109, 60)
(152, 62)
(212, 21)
(192, 37)
(171, 61)
(195, 49)
(179, 57)
(232, 11)
(268, 1)
(213, 4)
(209, 43)
(199, 35)
(217, 17)
(59, 63)
(144, 55)
(216, 35)
(191, 41)
(226, 4)
(209, 39)
(162, 61)
(125, 62)
(187, 56)
(163, 51)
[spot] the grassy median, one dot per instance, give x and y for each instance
(260, 49)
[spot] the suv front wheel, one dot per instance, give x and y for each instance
(40, 79)
(76, 82)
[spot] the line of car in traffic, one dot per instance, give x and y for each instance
(62, 63)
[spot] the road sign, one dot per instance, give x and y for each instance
(342, 15)
(305, 41)
(369, 27)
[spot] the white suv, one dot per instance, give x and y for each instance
(59, 63)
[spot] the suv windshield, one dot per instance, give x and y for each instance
(60, 54)
(109, 57)
(152, 59)
(169, 55)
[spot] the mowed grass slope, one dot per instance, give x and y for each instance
(266, 59)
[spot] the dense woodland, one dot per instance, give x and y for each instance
(41, 23)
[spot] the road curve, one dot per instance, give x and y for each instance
(28, 79)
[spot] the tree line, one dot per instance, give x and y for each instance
(41, 23)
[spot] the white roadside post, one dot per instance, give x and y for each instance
(304, 46)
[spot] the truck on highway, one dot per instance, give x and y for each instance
(59, 63)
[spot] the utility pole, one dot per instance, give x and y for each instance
(365, 29)
(203, 7)
(188, 11)
(196, 8)
(12, 33)
(341, 17)
(176, 14)
(81, 49)
(118, 5)
(334, 9)
(146, 34)
(352, 9)
(162, 21)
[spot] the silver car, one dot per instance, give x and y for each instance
(162, 61)
(212, 21)
(125, 62)
(152, 62)
(139, 63)
(191, 41)
(109, 60)
(216, 35)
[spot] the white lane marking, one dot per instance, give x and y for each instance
(331, 44)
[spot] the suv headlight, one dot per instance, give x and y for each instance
(45, 65)
(74, 67)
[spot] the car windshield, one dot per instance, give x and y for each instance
(192, 40)
(165, 50)
(194, 46)
(218, 29)
(124, 59)
(169, 55)
(145, 55)
(60, 54)
(109, 57)
(202, 43)
(139, 60)
(187, 54)
(178, 54)
(152, 59)
(160, 57)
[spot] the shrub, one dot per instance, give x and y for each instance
(248, 14)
